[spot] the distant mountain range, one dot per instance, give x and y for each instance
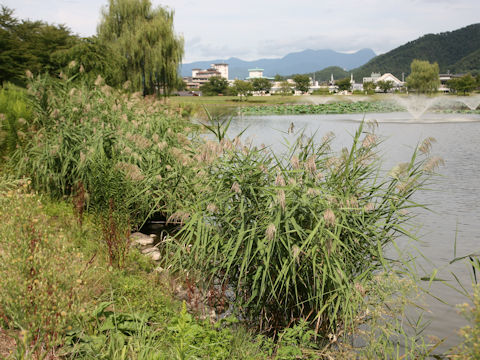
(454, 51)
(294, 63)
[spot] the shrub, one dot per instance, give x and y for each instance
(299, 235)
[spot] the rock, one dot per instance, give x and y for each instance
(141, 239)
(153, 236)
(149, 250)
(155, 255)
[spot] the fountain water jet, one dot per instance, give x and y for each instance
(416, 105)
(471, 101)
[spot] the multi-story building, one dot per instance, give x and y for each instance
(200, 77)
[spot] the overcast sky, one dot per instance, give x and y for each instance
(252, 29)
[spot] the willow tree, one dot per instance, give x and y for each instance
(424, 77)
(144, 38)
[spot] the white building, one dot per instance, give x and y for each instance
(255, 73)
(222, 69)
(200, 77)
(376, 77)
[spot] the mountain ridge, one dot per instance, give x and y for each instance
(304, 61)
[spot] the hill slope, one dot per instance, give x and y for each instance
(446, 49)
(294, 63)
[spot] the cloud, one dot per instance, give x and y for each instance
(272, 28)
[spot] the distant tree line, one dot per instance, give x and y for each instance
(135, 43)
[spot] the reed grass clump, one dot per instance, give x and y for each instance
(298, 235)
(121, 147)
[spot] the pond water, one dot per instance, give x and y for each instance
(453, 198)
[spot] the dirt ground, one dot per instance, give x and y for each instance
(7, 344)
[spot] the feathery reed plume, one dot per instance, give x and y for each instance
(81, 70)
(352, 202)
(327, 137)
(236, 188)
(279, 181)
(329, 217)
(291, 128)
(369, 207)
(320, 175)
(281, 199)
(131, 171)
(433, 163)
(98, 80)
(310, 165)
(72, 64)
(270, 232)
(398, 170)
(369, 140)
(426, 145)
(313, 192)
(212, 208)
(295, 162)
(178, 217)
(162, 145)
(28, 74)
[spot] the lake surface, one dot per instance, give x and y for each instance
(454, 197)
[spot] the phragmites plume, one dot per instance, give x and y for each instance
(212, 208)
(369, 207)
(131, 171)
(426, 145)
(162, 145)
(82, 157)
(155, 138)
(126, 84)
(98, 80)
(72, 64)
(320, 175)
(291, 128)
(433, 163)
(329, 217)
(352, 202)
(369, 140)
(399, 170)
(270, 232)
(139, 141)
(226, 144)
(279, 180)
(81, 70)
(327, 137)
(295, 252)
(179, 217)
(313, 192)
(21, 121)
(28, 74)
(237, 142)
(281, 199)
(236, 188)
(295, 162)
(310, 165)
(372, 124)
